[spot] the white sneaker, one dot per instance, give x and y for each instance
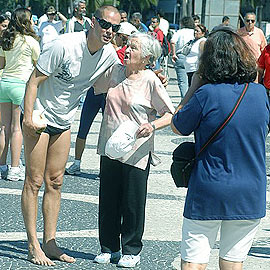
(129, 261)
(104, 258)
(73, 169)
(15, 173)
(4, 172)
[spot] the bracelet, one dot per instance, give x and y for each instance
(153, 126)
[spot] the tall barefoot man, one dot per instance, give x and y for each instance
(65, 70)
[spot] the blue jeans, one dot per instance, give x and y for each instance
(181, 75)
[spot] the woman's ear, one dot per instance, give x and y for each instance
(146, 60)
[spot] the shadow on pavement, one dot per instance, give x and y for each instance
(13, 250)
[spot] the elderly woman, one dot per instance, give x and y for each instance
(133, 94)
(227, 187)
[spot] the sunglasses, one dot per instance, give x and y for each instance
(253, 21)
(106, 25)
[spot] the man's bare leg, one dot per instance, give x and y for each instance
(228, 265)
(79, 148)
(57, 156)
(192, 266)
(35, 150)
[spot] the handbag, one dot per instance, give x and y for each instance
(184, 156)
(185, 50)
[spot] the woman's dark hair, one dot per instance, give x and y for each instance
(226, 58)
(188, 22)
(202, 27)
(20, 23)
(4, 17)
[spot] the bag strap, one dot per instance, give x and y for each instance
(225, 122)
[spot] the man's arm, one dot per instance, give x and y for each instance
(29, 128)
(62, 18)
(174, 57)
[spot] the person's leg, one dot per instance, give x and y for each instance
(190, 74)
(57, 156)
(16, 137)
(35, 151)
(236, 237)
(90, 109)
(198, 238)
(6, 114)
(181, 75)
(227, 265)
(110, 194)
(134, 183)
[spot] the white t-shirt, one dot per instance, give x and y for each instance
(71, 71)
(42, 19)
(49, 31)
(19, 60)
(164, 26)
(181, 37)
(192, 59)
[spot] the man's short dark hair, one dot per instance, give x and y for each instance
(100, 11)
(226, 58)
(196, 17)
(225, 18)
(187, 22)
(157, 18)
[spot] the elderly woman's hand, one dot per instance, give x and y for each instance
(145, 130)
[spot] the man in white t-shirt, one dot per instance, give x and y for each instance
(179, 39)
(50, 29)
(66, 69)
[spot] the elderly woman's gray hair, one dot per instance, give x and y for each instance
(149, 46)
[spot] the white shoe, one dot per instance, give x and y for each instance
(15, 173)
(73, 169)
(129, 261)
(104, 258)
(4, 172)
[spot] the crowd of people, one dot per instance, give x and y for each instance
(49, 65)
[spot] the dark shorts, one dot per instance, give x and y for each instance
(52, 131)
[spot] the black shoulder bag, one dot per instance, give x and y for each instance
(184, 155)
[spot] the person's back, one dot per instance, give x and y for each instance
(227, 186)
(19, 60)
(19, 52)
(230, 156)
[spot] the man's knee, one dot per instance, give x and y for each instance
(55, 182)
(33, 183)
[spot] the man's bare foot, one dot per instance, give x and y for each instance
(52, 251)
(37, 256)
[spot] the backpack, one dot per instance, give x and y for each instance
(166, 49)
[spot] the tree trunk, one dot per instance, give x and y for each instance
(27, 2)
(203, 11)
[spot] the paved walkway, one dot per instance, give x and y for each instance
(77, 226)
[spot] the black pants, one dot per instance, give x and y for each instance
(189, 74)
(122, 198)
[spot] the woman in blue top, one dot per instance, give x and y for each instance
(227, 188)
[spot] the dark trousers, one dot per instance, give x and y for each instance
(189, 74)
(122, 198)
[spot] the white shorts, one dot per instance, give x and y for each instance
(199, 237)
